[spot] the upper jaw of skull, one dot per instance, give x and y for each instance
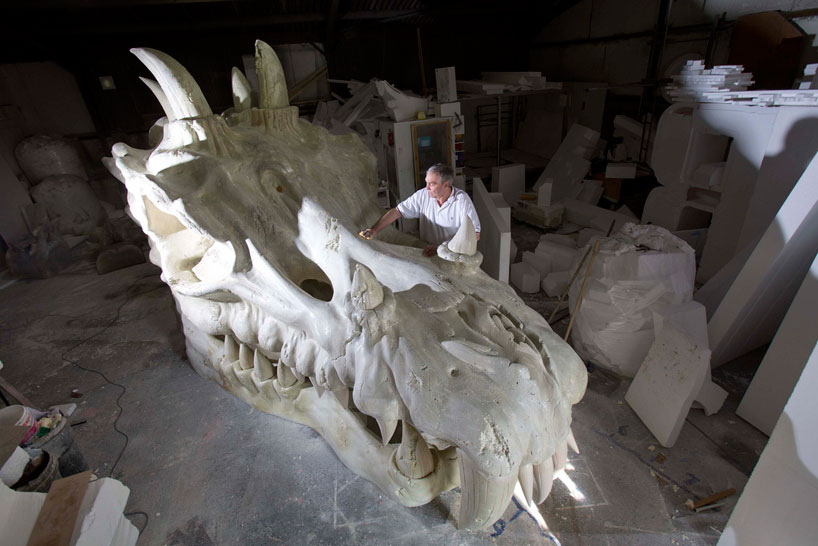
(282, 302)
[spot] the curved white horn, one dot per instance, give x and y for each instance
(272, 88)
(184, 97)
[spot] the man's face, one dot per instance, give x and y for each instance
(436, 188)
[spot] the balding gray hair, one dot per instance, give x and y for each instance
(444, 171)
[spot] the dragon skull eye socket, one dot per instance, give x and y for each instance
(253, 216)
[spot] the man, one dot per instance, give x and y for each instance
(440, 207)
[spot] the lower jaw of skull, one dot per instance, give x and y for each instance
(410, 473)
(327, 413)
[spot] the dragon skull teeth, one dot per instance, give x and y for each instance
(253, 216)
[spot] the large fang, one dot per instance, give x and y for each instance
(184, 96)
(387, 427)
(231, 349)
(465, 240)
(245, 357)
(272, 88)
(366, 291)
(242, 93)
(156, 89)
(262, 366)
(543, 480)
(482, 501)
(560, 457)
(414, 458)
(527, 482)
(286, 378)
(572, 442)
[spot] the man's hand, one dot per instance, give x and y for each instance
(367, 233)
(430, 250)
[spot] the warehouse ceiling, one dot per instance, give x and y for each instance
(58, 23)
(401, 41)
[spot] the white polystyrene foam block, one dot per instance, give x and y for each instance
(590, 191)
(18, 515)
(589, 235)
(525, 277)
(100, 512)
(710, 397)
(554, 284)
(13, 468)
(690, 317)
(620, 170)
(540, 262)
(559, 239)
(561, 256)
(509, 180)
(544, 194)
(670, 377)
(513, 251)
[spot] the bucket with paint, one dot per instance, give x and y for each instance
(19, 416)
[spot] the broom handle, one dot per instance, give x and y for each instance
(582, 290)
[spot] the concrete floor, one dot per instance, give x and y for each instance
(205, 468)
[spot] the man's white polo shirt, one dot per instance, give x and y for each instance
(439, 223)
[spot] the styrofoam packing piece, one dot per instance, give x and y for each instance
(689, 317)
(540, 262)
(570, 162)
(509, 180)
(614, 325)
(589, 236)
(554, 284)
(18, 514)
(777, 504)
(560, 255)
(13, 468)
(590, 191)
(784, 360)
(626, 211)
(544, 193)
(668, 380)
(513, 252)
(756, 302)
(588, 215)
(559, 239)
(446, 83)
(710, 397)
(400, 106)
(620, 170)
(503, 208)
(525, 277)
(100, 512)
(495, 234)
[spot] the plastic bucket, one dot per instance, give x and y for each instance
(19, 416)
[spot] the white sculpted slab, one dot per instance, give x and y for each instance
(253, 217)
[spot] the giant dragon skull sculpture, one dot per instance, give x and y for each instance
(253, 217)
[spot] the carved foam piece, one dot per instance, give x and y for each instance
(253, 217)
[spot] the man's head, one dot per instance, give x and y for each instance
(439, 179)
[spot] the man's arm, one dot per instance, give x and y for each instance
(390, 216)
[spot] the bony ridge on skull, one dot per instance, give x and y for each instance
(252, 217)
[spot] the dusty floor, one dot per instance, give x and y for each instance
(204, 468)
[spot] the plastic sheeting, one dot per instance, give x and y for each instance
(641, 269)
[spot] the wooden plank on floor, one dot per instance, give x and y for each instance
(56, 521)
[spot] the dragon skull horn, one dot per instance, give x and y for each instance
(242, 94)
(272, 89)
(183, 95)
(157, 91)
